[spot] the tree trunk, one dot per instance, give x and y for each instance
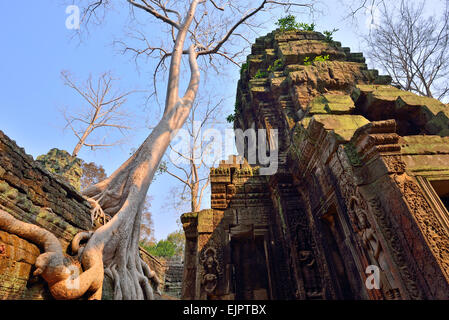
(194, 197)
(113, 249)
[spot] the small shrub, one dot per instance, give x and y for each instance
(308, 62)
(321, 58)
(276, 66)
(261, 74)
(289, 23)
(329, 35)
(306, 27)
(230, 118)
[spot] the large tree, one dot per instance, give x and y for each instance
(199, 28)
(103, 110)
(411, 44)
(147, 225)
(92, 174)
(190, 159)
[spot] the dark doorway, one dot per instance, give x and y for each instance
(442, 189)
(250, 270)
(333, 238)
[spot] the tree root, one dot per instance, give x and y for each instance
(61, 275)
(66, 282)
(97, 213)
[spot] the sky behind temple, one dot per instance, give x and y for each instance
(36, 47)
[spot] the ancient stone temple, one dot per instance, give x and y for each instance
(33, 194)
(362, 186)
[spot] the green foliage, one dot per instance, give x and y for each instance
(321, 58)
(306, 27)
(289, 23)
(173, 245)
(308, 62)
(163, 167)
(230, 118)
(179, 240)
(244, 67)
(329, 35)
(163, 248)
(276, 66)
(261, 74)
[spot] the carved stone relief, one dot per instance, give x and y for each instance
(211, 269)
(373, 248)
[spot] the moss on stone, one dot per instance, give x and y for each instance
(189, 216)
(339, 103)
(425, 145)
(439, 124)
(318, 105)
(331, 103)
(352, 154)
(344, 126)
(60, 162)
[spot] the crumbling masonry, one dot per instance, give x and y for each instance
(363, 180)
(32, 194)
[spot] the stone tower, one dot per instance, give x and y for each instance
(359, 205)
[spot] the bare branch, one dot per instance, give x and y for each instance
(148, 8)
(103, 110)
(412, 48)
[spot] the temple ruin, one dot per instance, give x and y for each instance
(362, 181)
(32, 192)
(361, 189)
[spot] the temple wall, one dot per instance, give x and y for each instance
(362, 183)
(33, 195)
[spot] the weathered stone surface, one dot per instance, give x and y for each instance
(173, 277)
(60, 162)
(363, 180)
(17, 258)
(32, 194)
(414, 114)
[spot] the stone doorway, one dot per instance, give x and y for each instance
(250, 273)
(333, 238)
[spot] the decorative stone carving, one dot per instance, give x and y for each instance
(432, 229)
(328, 229)
(395, 164)
(408, 276)
(373, 248)
(211, 270)
(309, 272)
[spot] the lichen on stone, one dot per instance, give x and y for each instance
(60, 162)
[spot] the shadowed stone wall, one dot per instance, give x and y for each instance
(32, 194)
(362, 181)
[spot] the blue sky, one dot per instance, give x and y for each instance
(36, 47)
